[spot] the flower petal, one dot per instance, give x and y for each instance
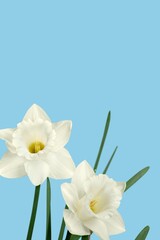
(36, 112)
(70, 195)
(84, 211)
(105, 191)
(12, 166)
(98, 227)
(11, 147)
(37, 171)
(74, 225)
(61, 164)
(63, 131)
(121, 186)
(115, 224)
(82, 173)
(6, 134)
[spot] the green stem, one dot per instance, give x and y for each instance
(103, 141)
(68, 236)
(33, 214)
(86, 237)
(61, 233)
(48, 212)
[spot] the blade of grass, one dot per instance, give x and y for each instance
(143, 234)
(48, 212)
(136, 177)
(103, 141)
(33, 214)
(110, 160)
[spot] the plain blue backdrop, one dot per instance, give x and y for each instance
(78, 60)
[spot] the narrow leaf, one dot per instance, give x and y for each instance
(33, 214)
(48, 211)
(110, 160)
(136, 177)
(143, 234)
(103, 141)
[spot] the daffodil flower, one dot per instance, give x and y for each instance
(36, 148)
(93, 201)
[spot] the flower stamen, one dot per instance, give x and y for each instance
(93, 205)
(35, 147)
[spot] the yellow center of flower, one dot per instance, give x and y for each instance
(35, 147)
(92, 205)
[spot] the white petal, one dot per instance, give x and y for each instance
(84, 211)
(12, 166)
(6, 134)
(82, 173)
(11, 147)
(98, 227)
(115, 224)
(121, 186)
(61, 164)
(63, 131)
(74, 225)
(70, 195)
(35, 112)
(37, 171)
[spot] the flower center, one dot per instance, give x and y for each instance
(35, 147)
(92, 205)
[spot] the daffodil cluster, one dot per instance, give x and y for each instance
(36, 148)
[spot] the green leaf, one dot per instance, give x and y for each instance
(33, 214)
(48, 211)
(110, 160)
(143, 234)
(103, 141)
(136, 177)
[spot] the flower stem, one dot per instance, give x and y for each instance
(86, 237)
(68, 236)
(61, 233)
(33, 214)
(48, 212)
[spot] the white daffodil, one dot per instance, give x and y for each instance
(36, 148)
(93, 202)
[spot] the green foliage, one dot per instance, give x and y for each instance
(143, 234)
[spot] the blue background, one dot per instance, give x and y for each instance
(78, 60)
